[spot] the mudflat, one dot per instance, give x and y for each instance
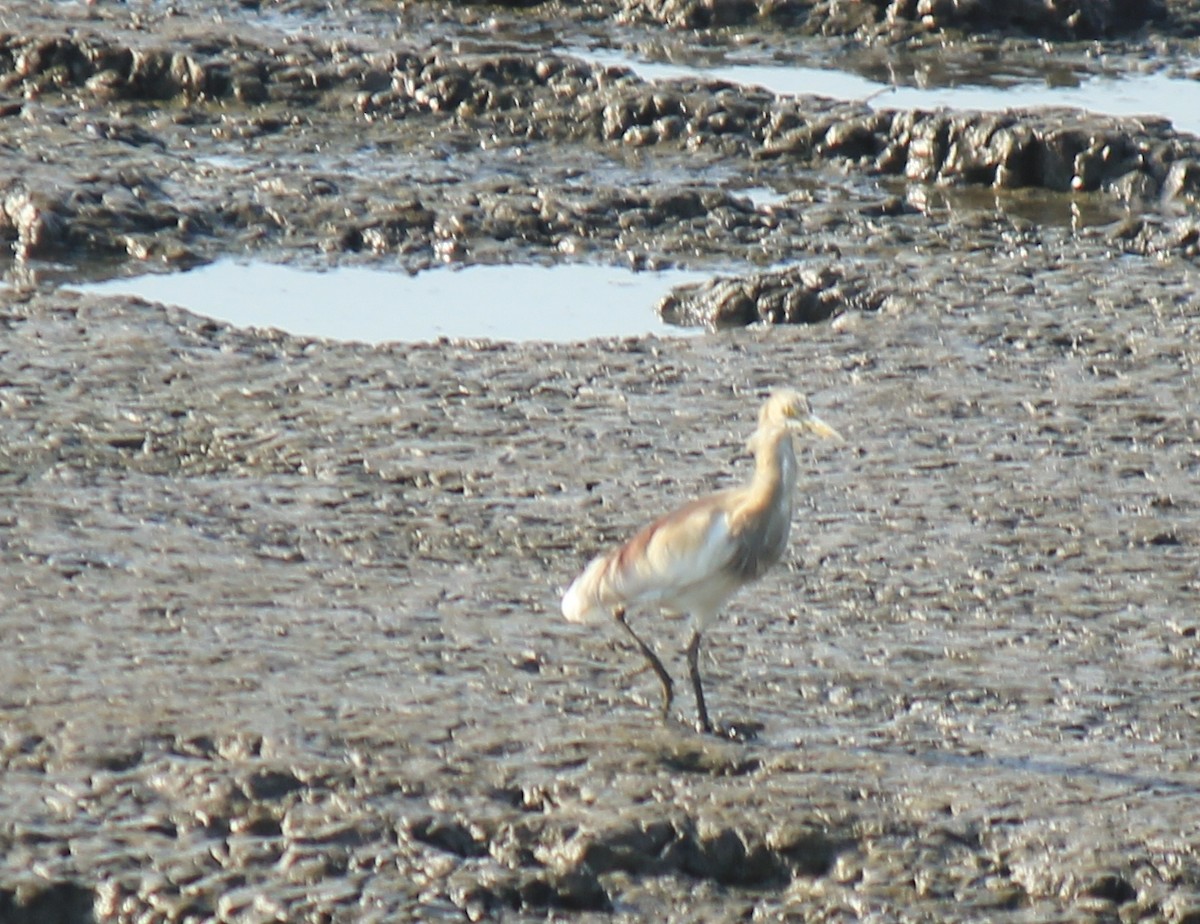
(280, 615)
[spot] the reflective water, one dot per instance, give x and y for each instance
(1156, 94)
(521, 302)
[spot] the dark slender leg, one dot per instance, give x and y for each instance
(693, 659)
(663, 677)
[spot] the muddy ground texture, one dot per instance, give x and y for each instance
(279, 616)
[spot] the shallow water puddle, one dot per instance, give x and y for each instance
(521, 302)
(1158, 94)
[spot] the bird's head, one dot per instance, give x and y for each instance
(789, 410)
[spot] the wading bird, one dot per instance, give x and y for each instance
(690, 562)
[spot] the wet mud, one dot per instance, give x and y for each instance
(280, 616)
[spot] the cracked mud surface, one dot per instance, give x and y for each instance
(280, 621)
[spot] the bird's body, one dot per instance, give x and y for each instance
(691, 561)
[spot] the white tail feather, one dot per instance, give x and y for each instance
(580, 603)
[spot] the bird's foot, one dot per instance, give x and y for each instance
(742, 732)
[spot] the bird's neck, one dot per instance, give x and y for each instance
(774, 465)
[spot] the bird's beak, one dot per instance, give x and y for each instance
(816, 426)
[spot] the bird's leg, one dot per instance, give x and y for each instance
(738, 731)
(693, 663)
(664, 678)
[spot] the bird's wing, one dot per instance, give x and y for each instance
(679, 563)
(683, 551)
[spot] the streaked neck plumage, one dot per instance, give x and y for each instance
(763, 518)
(774, 465)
